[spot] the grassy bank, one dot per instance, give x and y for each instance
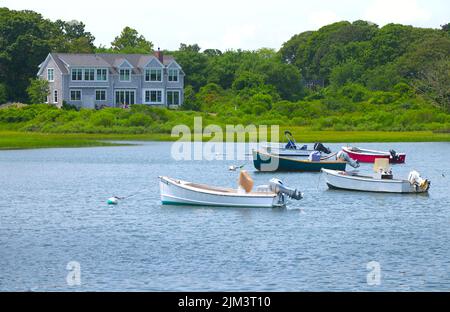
(28, 140)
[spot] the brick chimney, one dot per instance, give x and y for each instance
(159, 55)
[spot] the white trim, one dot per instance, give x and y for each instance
(125, 90)
(81, 95)
(151, 60)
(77, 69)
(149, 90)
(173, 62)
(96, 74)
(83, 73)
(103, 90)
(179, 97)
(53, 74)
(130, 70)
(55, 92)
(44, 64)
(150, 69)
(125, 61)
(178, 75)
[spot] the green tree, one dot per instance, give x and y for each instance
(38, 91)
(350, 71)
(76, 38)
(434, 82)
(194, 64)
(26, 38)
(212, 52)
(3, 94)
(190, 102)
(129, 41)
(189, 47)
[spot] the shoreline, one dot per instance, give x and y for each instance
(15, 140)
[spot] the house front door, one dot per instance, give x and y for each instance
(89, 101)
(125, 97)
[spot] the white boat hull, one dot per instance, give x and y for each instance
(337, 180)
(176, 192)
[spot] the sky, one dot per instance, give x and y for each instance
(230, 24)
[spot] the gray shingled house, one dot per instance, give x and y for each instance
(96, 80)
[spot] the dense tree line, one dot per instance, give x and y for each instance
(377, 58)
(361, 55)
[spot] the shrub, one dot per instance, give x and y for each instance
(103, 118)
(139, 119)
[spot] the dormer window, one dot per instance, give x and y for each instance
(125, 75)
(173, 75)
(153, 74)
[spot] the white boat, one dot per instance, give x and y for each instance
(382, 183)
(178, 192)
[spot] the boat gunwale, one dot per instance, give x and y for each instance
(337, 173)
(368, 152)
(299, 160)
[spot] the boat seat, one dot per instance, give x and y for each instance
(381, 164)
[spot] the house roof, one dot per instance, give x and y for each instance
(109, 60)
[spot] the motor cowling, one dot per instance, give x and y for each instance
(415, 179)
(344, 156)
(277, 186)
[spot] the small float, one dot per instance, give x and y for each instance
(369, 156)
(179, 192)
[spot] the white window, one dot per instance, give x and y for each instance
(173, 97)
(125, 97)
(153, 74)
(55, 96)
(153, 96)
(75, 95)
(50, 74)
(77, 74)
(89, 74)
(102, 74)
(125, 75)
(100, 95)
(173, 75)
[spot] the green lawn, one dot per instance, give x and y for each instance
(28, 140)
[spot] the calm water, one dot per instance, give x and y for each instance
(53, 211)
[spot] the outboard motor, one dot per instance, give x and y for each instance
(344, 156)
(394, 155)
(278, 187)
(321, 148)
(415, 179)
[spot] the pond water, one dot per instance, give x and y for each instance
(53, 211)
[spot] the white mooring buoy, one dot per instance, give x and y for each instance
(113, 201)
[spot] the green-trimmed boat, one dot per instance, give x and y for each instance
(270, 162)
